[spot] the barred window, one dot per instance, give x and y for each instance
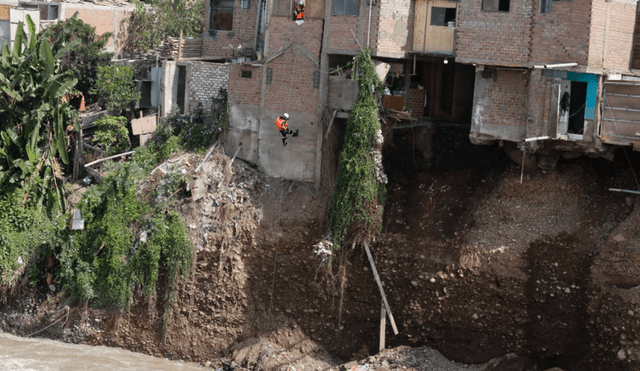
(345, 7)
(220, 16)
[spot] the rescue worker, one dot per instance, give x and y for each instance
(298, 13)
(283, 127)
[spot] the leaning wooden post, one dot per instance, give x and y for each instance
(384, 297)
(383, 325)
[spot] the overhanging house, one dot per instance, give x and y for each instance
(561, 74)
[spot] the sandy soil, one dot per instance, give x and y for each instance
(482, 272)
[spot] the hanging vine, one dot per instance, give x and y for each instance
(357, 204)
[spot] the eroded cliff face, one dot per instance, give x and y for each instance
(475, 264)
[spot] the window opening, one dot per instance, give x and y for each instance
(246, 74)
(182, 87)
(269, 75)
(316, 79)
(442, 16)
(496, 5)
(246, 4)
(220, 16)
(345, 7)
(545, 6)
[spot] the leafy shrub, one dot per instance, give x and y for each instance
(112, 134)
(148, 25)
(116, 88)
(83, 61)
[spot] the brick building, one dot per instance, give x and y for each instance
(558, 73)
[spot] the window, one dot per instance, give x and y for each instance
(496, 5)
(48, 11)
(316, 79)
(442, 16)
(545, 6)
(245, 4)
(269, 75)
(345, 7)
(220, 16)
(246, 74)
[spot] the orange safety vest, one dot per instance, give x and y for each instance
(299, 13)
(281, 124)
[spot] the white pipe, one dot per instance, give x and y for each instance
(535, 139)
(369, 30)
(557, 65)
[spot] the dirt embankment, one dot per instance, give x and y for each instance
(476, 265)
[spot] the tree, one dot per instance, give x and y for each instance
(33, 113)
(83, 61)
(116, 88)
(149, 24)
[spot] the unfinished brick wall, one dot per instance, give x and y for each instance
(103, 18)
(486, 36)
(244, 90)
(205, 82)
(616, 20)
(244, 25)
(562, 35)
(292, 83)
(502, 99)
(339, 33)
(395, 27)
(415, 102)
(539, 104)
(283, 31)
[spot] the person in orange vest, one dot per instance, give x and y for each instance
(283, 127)
(298, 13)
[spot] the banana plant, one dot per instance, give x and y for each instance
(33, 115)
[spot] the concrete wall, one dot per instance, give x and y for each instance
(244, 25)
(611, 35)
(486, 37)
(500, 110)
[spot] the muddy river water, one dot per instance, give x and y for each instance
(17, 353)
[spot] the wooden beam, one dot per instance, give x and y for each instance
(335, 111)
(109, 158)
(384, 297)
(383, 325)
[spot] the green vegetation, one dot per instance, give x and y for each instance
(196, 129)
(149, 24)
(357, 204)
(83, 60)
(116, 88)
(112, 134)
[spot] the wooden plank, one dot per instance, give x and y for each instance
(629, 130)
(419, 26)
(554, 110)
(622, 101)
(617, 88)
(383, 325)
(384, 297)
(109, 158)
(623, 115)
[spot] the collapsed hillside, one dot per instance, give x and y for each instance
(475, 265)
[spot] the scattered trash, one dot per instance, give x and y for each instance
(86, 180)
(76, 223)
(324, 250)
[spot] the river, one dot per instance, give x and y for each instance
(37, 354)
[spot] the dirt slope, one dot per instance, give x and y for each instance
(475, 264)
